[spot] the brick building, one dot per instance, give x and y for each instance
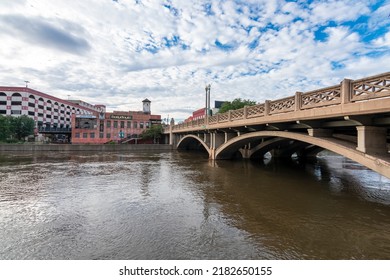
(117, 126)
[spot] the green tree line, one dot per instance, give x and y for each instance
(15, 128)
(154, 132)
(237, 103)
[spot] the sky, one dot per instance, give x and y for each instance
(119, 52)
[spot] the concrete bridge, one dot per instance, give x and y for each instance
(351, 119)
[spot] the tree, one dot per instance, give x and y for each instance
(154, 132)
(237, 103)
(22, 127)
(5, 128)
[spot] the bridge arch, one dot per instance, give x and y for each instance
(192, 142)
(346, 149)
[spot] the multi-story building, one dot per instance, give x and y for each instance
(99, 128)
(201, 113)
(49, 113)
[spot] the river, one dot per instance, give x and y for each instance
(171, 205)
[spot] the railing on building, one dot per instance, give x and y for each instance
(348, 91)
(57, 130)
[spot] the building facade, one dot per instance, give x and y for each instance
(117, 126)
(48, 112)
(201, 113)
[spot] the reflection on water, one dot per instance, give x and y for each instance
(182, 206)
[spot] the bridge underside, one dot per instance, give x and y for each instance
(366, 145)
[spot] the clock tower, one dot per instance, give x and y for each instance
(146, 106)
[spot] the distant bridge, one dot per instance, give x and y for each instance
(351, 119)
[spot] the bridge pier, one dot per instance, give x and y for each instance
(212, 154)
(216, 140)
(372, 140)
(245, 153)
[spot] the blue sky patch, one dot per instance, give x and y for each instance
(224, 47)
(337, 65)
(208, 9)
(320, 34)
(172, 9)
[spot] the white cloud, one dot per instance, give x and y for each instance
(338, 11)
(383, 42)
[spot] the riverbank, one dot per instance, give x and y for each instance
(82, 147)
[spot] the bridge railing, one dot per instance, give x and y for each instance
(347, 91)
(255, 111)
(372, 87)
(283, 105)
(322, 97)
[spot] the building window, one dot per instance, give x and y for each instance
(108, 124)
(122, 124)
(84, 123)
(128, 124)
(16, 103)
(16, 112)
(92, 135)
(135, 124)
(40, 107)
(31, 113)
(77, 135)
(3, 112)
(115, 124)
(141, 125)
(101, 135)
(147, 124)
(108, 135)
(85, 135)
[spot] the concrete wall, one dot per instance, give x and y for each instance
(81, 147)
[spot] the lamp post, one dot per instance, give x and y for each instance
(207, 109)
